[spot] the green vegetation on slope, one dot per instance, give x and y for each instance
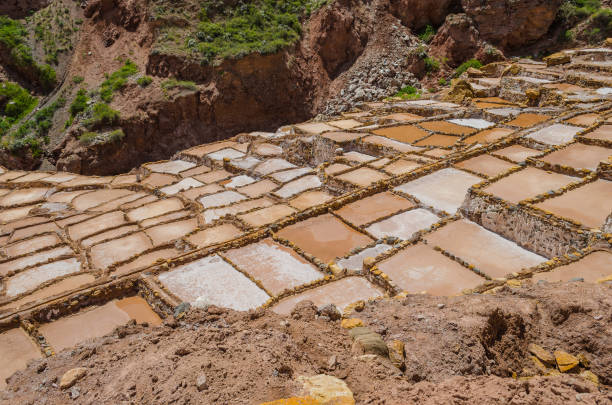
(117, 80)
(472, 63)
(13, 38)
(408, 93)
(53, 29)
(598, 20)
(15, 103)
(224, 31)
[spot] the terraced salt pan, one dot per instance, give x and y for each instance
(517, 153)
(268, 149)
(355, 262)
(97, 322)
(591, 268)
(162, 234)
(30, 177)
(438, 140)
(117, 250)
(488, 251)
(445, 189)
(16, 350)
(401, 166)
(214, 235)
(258, 189)
(33, 230)
(358, 157)
(579, 156)
(32, 245)
(336, 168)
(527, 183)
(345, 124)
(276, 266)
(225, 153)
(267, 215)
(527, 120)
(325, 237)
(486, 164)
(584, 120)
(146, 259)
(238, 181)
(420, 268)
(447, 127)
(195, 193)
(112, 234)
(155, 209)
(297, 186)
(603, 133)
(105, 221)
(8, 215)
(171, 167)
(473, 123)
(182, 185)
(273, 165)
(489, 135)
(291, 174)
(221, 199)
(246, 163)
(32, 278)
(363, 176)
(403, 225)
(315, 127)
(589, 204)
(213, 281)
(402, 133)
(372, 208)
(213, 176)
(310, 199)
(33, 259)
(342, 293)
(555, 134)
(157, 180)
(390, 143)
(23, 196)
(213, 214)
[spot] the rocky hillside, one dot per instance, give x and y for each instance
(104, 85)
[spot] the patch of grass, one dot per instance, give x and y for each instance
(90, 138)
(442, 82)
(144, 81)
(408, 93)
(80, 103)
(33, 133)
(102, 115)
(599, 19)
(15, 103)
(472, 63)
(180, 84)
(13, 36)
(233, 30)
(431, 64)
(53, 29)
(78, 79)
(427, 34)
(116, 80)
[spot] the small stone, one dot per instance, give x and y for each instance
(331, 363)
(539, 365)
(201, 383)
(441, 306)
(74, 393)
(590, 376)
(541, 353)
(351, 323)
(368, 262)
(514, 283)
(584, 361)
(598, 317)
(420, 317)
(327, 389)
(558, 58)
(565, 361)
(336, 270)
(365, 341)
(181, 309)
(331, 311)
(70, 377)
(396, 353)
(577, 279)
(359, 306)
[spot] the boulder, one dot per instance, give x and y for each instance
(70, 377)
(565, 361)
(541, 353)
(558, 58)
(326, 390)
(456, 41)
(351, 323)
(396, 353)
(416, 14)
(365, 341)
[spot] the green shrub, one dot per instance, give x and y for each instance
(427, 34)
(442, 82)
(144, 81)
(181, 84)
(88, 137)
(472, 63)
(17, 101)
(102, 114)
(116, 135)
(116, 80)
(78, 79)
(80, 103)
(263, 26)
(431, 64)
(408, 93)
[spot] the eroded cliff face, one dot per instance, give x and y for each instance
(350, 51)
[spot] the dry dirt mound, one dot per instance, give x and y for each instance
(458, 350)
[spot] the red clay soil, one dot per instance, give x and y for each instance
(459, 350)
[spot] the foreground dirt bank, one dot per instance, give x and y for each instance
(459, 350)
